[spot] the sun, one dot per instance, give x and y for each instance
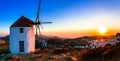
(102, 30)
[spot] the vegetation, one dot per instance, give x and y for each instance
(6, 38)
(106, 53)
(4, 47)
(56, 42)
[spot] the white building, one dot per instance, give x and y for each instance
(118, 36)
(22, 37)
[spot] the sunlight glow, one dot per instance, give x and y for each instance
(102, 30)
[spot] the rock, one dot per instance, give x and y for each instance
(73, 58)
(55, 57)
(63, 55)
(2, 42)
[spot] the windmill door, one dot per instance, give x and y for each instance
(21, 46)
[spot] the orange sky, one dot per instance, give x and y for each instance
(74, 33)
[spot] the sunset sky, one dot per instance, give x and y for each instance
(71, 18)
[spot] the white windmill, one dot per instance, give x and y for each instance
(22, 36)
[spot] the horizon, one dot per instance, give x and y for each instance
(71, 18)
(49, 36)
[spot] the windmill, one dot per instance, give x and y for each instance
(40, 43)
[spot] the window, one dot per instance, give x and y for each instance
(21, 30)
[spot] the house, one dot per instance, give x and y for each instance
(118, 36)
(79, 46)
(22, 36)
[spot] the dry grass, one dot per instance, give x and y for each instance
(48, 55)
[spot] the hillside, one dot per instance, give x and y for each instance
(63, 50)
(106, 53)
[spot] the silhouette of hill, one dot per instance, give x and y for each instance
(6, 38)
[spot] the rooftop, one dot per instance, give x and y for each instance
(23, 22)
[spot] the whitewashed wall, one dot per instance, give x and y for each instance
(27, 36)
(117, 37)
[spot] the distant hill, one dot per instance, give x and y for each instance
(5, 38)
(95, 37)
(75, 39)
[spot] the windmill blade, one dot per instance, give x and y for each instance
(37, 33)
(41, 27)
(38, 12)
(39, 30)
(46, 22)
(36, 30)
(37, 27)
(37, 23)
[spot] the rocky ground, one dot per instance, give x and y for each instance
(47, 54)
(106, 53)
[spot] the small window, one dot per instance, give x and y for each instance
(21, 30)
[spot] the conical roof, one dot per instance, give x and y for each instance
(23, 22)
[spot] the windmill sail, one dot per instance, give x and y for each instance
(39, 42)
(38, 13)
